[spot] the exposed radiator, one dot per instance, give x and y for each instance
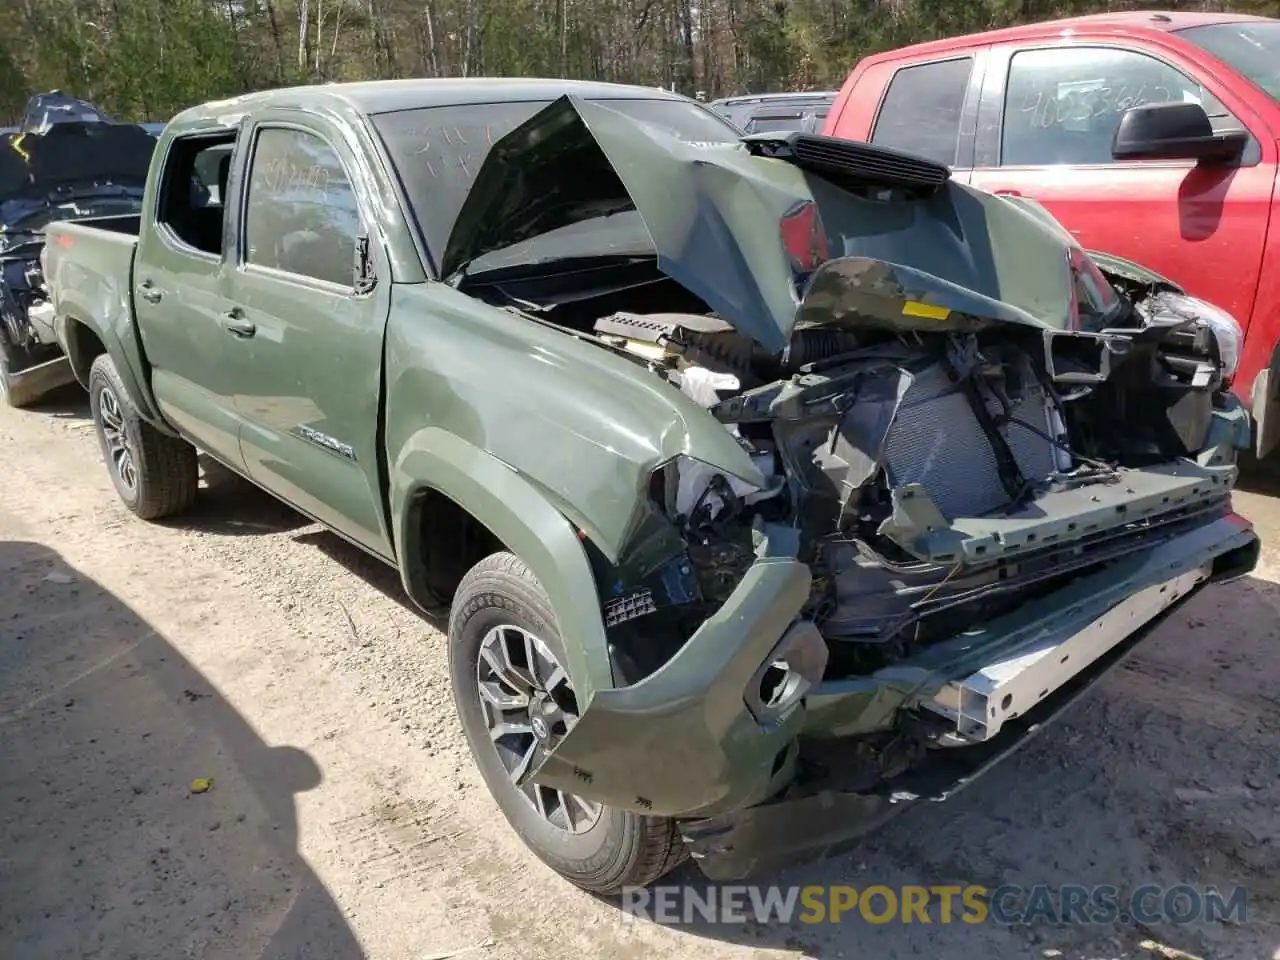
(937, 441)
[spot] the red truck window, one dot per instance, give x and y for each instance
(1063, 104)
(921, 109)
(1251, 48)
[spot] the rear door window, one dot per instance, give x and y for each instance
(922, 108)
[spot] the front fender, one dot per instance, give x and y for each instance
(526, 522)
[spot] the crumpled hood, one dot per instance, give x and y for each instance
(766, 244)
(74, 156)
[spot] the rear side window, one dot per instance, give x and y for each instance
(921, 109)
(301, 215)
(195, 178)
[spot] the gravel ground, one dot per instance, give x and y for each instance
(345, 820)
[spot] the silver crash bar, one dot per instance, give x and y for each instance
(982, 702)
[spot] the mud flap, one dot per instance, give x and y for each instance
(1266, 408)
(25, 387)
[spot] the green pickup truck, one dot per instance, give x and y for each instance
(769, 482)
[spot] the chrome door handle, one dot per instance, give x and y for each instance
(237, 325)
(148, 292)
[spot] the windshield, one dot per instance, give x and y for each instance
(437, 152)
(1251, 48)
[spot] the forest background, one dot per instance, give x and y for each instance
(148, 59)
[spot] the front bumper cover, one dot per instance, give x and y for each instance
(683, 742)
(817, 815)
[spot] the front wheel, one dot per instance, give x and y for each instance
(514, 700)
(155, 475)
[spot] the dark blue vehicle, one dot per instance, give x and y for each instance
(46, 109)
(66, 161)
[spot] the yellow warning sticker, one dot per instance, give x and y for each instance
(914, 308)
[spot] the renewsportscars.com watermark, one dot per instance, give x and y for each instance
(943, 904)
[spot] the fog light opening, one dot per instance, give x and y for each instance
(773, 684)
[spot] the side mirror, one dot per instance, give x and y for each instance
(1173, 131)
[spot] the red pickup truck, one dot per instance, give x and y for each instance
(1151, 136)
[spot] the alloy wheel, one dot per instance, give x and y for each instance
(115, 438)
(529, 706)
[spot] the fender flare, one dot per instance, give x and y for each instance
(528, 524)
(128, 362)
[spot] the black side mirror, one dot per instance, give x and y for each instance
(1173, 131)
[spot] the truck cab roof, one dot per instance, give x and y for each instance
(388, 96)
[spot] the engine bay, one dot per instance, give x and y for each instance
(855, 428)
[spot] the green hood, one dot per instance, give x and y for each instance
(768, 244)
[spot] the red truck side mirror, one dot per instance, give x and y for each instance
(1173, 131)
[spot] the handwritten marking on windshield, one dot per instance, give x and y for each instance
(438, 147)
(431, 137)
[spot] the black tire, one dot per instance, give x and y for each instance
(165, 473)
(17, 394)
(621, 848)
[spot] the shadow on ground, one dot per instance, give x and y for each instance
(106, 850)
(381, 576)
(1260, 476)
(231, 506)
(68, 402)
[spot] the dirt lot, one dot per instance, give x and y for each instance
(345, 820)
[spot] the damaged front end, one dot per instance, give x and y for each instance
(981, 468)
(71, 169)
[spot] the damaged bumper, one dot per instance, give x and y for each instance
(764, 771)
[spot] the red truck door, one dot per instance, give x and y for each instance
(1046, 118)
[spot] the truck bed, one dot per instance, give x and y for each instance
(85, 259)
(89, 273)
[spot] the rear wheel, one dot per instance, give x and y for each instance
(155, 475)
(515, 700)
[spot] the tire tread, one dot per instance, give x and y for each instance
(168, 468)
(651, 846)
